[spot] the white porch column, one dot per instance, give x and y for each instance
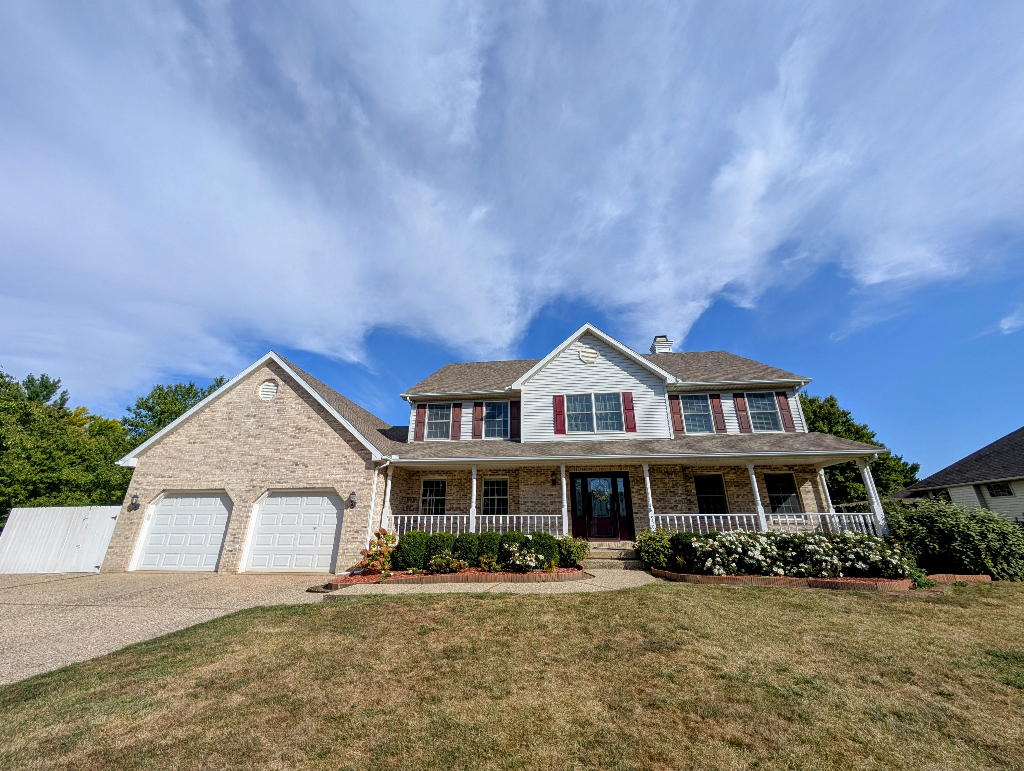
(873, 499)
(472, 503)
(833, 521)
(565, 506)
(385, 514)
(373, 507)
(762, 523)
(650, 500)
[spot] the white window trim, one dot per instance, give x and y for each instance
(1009, 486)
(682, 412)
(433, 479)
(426, 423)
(775, 403)
(508, 433)
(593, 413)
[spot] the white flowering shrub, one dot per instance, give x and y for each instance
(522, 560)
(816, 555)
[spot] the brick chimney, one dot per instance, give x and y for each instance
(661, 344)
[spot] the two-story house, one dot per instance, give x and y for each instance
(277, 471)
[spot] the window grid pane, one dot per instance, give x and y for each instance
(439, 421)
(496, 419)
(578, 413)
(711, 497)
(764, 412)
(434, 493)
(609, 412)
(495, 497)
(999, 490)
(697, 415)
(782, 495)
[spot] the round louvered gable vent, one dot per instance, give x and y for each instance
(588, 355)
(268, 390)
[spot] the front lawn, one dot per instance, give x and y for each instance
(664, 677)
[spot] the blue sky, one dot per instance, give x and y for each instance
(376, 189)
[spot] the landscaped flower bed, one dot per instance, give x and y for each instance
(468, 576)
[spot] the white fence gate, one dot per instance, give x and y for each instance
(57, 539)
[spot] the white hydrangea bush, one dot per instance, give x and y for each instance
(799, 555)
(521, 559)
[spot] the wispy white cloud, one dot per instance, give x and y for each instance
(1012, 323)
(176, 180)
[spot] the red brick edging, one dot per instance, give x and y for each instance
(481, 578)
(864, 584)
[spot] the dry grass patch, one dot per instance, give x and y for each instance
(669, 676)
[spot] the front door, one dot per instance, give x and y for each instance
(602, 506)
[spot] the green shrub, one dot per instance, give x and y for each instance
(573, 551)
(681, 552)
(489, 563)
(438, 543)
(446, 562)
(508, 540)
(488, 543)
(411, 551)
(545, 545)
(654, 547)
(945, 537)
(467, 547)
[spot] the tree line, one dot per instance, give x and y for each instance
(53, 455)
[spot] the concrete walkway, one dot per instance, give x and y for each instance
(603, 581)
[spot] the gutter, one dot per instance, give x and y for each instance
(651, 456)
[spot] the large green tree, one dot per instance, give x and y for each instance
(162, 406)
(845, 485)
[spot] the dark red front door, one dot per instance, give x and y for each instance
(601, 506)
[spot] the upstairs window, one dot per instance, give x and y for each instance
(495, 497)
(579, 415)
(608, 410)
(710, 494)
(439, 421)
(697, 416)
(764, 412)
(782, 494)
(999, 490)
(433, 497)
(496, 420)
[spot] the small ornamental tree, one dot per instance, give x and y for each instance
(654, 548)
(411, 551)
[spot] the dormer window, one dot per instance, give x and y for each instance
(764, 412)
(439, 421)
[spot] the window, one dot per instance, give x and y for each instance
(764, 412)
(496, 420)
(495, 497)
(697, 416)
(999, 490)
(432, 501)
(608, 410)
(711, 494)
(578, 413)
(439, 421)
(782, 495)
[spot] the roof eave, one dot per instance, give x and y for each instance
(842, 455)
(454, 394)
(695, 384)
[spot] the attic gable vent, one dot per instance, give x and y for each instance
(589, 355)
(661, 344)
(268, 390)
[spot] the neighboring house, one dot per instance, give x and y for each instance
(277, 471)
(992, 477)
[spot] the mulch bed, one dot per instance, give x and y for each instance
(863, 584)
(470, 576)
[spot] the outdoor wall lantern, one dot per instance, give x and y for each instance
(134, 505)
(352, 499)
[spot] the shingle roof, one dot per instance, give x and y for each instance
(1003, 459)
(692, 367)
(690, 444)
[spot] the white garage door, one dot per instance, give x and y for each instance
(186, 533)
(296, 532)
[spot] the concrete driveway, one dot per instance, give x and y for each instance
(48, 621)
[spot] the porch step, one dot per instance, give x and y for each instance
(614, 555)
(591, 563)
(603, 552)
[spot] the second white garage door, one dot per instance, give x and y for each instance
(296, 533)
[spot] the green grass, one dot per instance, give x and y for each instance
(670, 676)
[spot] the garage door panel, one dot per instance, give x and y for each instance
(295, 532)
(186, 533)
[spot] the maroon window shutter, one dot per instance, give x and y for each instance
(676, 409)
(716, 413)
(478, 420)
(457, 420)
(421, 422)
(784, 411)
(627, 411)
(559, 414)
(741, 413)
(513, 420)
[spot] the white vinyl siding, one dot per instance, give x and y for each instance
(611, 373)
(412, 421)
(798, 414)
(1011, 507)
(732, 423)
(467, 420)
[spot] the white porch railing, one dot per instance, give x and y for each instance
(859, 522)
(776, 522)
(459, 523)
(706, 523)
(430, 523)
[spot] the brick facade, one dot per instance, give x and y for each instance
(245, 447)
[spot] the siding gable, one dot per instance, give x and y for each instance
(613, 372)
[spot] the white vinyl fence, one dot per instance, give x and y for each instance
(59, 539)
